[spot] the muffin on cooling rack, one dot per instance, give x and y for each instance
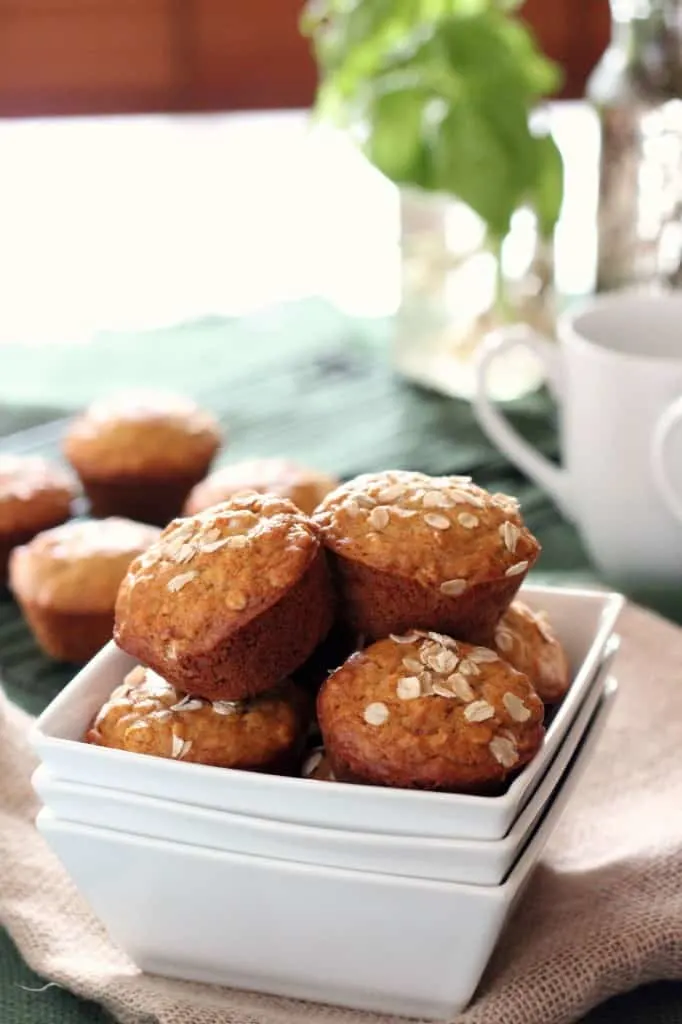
(34, 495)
(411, 550)
(421, 711)
(283, 477)
(147, 715)
(527, 641)
(230, 601)
(66, 580)
(138, 454)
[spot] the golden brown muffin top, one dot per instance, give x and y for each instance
(440, 531)
(33, 493)
(424, 710)
(211, 573)
(527, 641)
(78, 566)
(141, 432)
(285, 478)
(149, 716)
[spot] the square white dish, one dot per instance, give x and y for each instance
(583, 619)
(304, 931)
(475, 862)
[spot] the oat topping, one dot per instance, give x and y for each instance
(483, 655)
(510, 534)
(461, 687)
(516, 708)
(391, 493)
(453, 588)
(178, 582)
(467, 520)
(436, 521)
(376, 713)
(312, 763)
(437, 499)
(378, 518)
(517, 569)
(408, 688)
(469, 668)
(187, 704)
(407, 638)
(413, 665)
(226, 707)
(479, 711)
(504, 639)
(179, 747)
(504, 751)
(444, 691)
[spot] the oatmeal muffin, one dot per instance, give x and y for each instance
(66, 580)
(282, 477)
(147, 715)
(316, 766)
(421, 711)
(415, 551)
(229, 601)
(34, 495)
(527, 641)
(139, 454)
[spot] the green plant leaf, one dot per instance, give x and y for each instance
(443, 90)
(396, 142)
(548, 190)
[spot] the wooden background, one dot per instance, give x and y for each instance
(98, 56)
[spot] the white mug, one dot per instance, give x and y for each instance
(617, 377)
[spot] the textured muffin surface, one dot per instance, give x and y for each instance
(147, 715)
(423, 711)
(78, 566)
(34, 493)
(442, 532)
(230, 600)
(147, 433)
(527, 641)
(303, 486)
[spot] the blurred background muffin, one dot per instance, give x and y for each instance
(34, 494)
(304, 486)
(139, 453)
(66, 580)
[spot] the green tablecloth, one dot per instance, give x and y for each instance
(300, 380)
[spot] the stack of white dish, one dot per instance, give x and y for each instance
(378, 899)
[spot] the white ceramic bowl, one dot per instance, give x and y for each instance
(481, 862)
(584, 621)
(377, 942)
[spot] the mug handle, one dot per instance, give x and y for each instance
(669, 419)
(548, 476)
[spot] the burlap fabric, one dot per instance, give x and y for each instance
(603, 912)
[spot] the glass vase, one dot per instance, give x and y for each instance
(456, 289)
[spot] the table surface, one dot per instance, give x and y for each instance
(130, 223)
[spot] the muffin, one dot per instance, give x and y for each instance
(527, 641)
(305, 487)
(415, 551)
(138, 454)
(66, 580)
(146, 715)
(229, 601)
(34, 495)
(421, 711)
